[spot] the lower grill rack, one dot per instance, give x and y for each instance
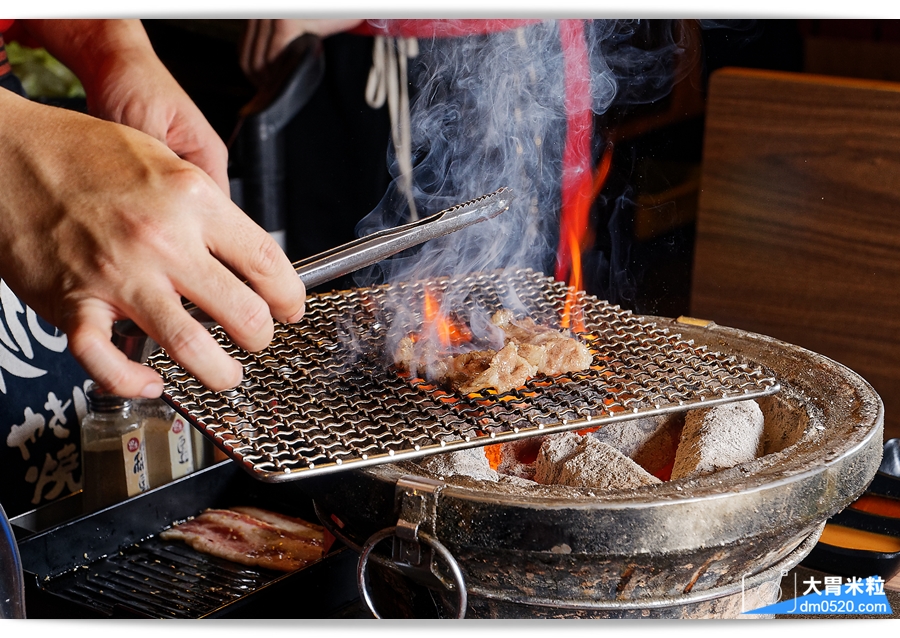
(113, 563)
(321, 399)
(159, 579)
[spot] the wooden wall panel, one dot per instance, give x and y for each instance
(798, 228)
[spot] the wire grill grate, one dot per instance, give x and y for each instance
(160, 580)
(319, 398)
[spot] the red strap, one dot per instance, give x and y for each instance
(5, 68)
(437, 28)
(5, 24)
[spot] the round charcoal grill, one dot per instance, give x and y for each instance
(320, 405)
(711, 546)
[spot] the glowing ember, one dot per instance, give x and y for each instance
(494, 454)
(511, 457)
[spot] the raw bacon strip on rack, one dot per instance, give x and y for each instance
(253, 537)
(293, 525)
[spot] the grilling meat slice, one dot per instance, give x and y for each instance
(505, 371)
(253, 537)
(529, 349)
(299, 527)
(550, 351)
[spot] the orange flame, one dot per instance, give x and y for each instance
(494, 454)
(449, 333)
(575, 236)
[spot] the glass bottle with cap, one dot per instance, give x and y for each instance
(168, 441)
(113, 451)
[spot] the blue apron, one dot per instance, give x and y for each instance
(42, 401)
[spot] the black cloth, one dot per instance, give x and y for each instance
(336, 153)
(11, 83)
(42, 401)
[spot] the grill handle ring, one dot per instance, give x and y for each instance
(435, 544)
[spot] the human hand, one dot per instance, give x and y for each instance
(125, 82)
(100, 222)
(264, 40)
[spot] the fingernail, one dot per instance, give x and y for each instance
(152, 390)
(294, 318)
(239, 374)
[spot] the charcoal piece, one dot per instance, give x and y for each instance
(555, 449)
(469, 462)
(719, 437)
(600, 466)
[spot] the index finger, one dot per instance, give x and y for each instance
(250, 251)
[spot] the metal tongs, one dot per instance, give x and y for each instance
(340, 261)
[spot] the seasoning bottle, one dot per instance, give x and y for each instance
(205, 453)
(113, 451)
(170, 453)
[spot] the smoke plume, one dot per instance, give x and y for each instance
(488, 111)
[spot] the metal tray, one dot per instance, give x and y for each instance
(112, 564)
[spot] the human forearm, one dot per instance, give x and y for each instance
(126, 83)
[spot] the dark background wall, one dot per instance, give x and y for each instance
(644, 223)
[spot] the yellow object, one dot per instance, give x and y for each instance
(693, 321)
(849, 538)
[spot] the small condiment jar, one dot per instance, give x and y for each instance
(112, 450)
(205, 453)
(170, 453)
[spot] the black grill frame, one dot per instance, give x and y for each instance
(112, 564)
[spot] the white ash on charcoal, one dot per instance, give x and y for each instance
(650, 441)
(601, 466)
(518, 470)
(719, 437)
(583, 461)
(470, 462)
(629, 454)
(657, 453)
(785, 423)
(629, 436)
(517, 481)
(555, 449)
(517, 458)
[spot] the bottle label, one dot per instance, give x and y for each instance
(135, 454)
(181, 452)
